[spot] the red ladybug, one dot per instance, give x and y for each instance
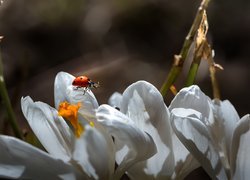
(85, 83)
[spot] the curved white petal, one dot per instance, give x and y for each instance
(115, 100)
(194, 134)
(87, 99)
(140, 145)
(89, 117)
(20, 160)
(144, 104)
(240, 159)
(51, 130)
(62, 81)
(185, 163)
(64, 91)
(192, 98)
(228, 116)
(94, 154)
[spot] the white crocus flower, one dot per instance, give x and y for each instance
(65, 92)
(213, 132)
(142, 108)
(78, 147)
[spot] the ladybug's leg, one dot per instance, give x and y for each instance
(77, 87)
(84, 90)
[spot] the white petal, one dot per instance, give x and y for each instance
(64, 91)
(195, 136)
(94, 154)
(185, 163)
(192, 98)
(144, 104)
(228, 118)
(185, 167)
(240, 159)
(52, 131)
(62, 81)
(115, 100)
(87, 99)
(23, 161)
(140, 145)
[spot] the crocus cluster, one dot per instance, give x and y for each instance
(213, 132)
(135, 134)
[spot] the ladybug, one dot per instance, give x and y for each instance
(85, 83)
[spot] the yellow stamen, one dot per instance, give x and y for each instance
(92, 124)
(70, 113)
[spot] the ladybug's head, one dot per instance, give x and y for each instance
(93, 84)
(74, 83)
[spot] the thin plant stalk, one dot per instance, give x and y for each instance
(7, 103)
(194, 66)
(199, 49)
(192, 73)
(178, 63)
(215, 85)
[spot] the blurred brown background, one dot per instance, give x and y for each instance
(118, 42)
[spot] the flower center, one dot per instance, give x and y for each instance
(70, 113)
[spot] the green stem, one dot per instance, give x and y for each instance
(6, 100)
(173, 74)
(177, 68)
(195, 65)
(192, 73)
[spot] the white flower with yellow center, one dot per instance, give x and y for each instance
(213, 132)
(141, 146)
(77, 146)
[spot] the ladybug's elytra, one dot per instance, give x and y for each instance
(84, 82)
